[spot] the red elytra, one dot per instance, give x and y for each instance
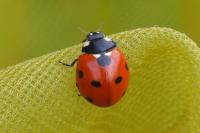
(102, 73)
(102, 86)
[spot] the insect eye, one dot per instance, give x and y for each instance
(108, 53)
(86, 43)
(107, 39)
(96, 55)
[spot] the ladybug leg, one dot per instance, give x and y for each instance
(79, 94)
(69, 65)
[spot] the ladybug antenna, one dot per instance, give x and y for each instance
(101, 26)
(82, 30)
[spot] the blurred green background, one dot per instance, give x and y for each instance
(35, 27)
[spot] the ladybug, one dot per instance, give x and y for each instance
(102, 72)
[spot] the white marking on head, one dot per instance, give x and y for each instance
(91, 33)
(96, 55)
(86, 43)
(107, 39)
(98, 32)
(108, 53)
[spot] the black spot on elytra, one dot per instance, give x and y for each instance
(80, 74)
(104, 60)
(89, 99)
(126, 66)
(118, 80)
(96, 83)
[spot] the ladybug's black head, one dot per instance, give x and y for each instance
(94, 35)
(96, 42)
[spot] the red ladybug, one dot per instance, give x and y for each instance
(101, 72)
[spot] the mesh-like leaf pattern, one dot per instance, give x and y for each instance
(40, 95)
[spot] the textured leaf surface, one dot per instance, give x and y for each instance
(39, 95)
